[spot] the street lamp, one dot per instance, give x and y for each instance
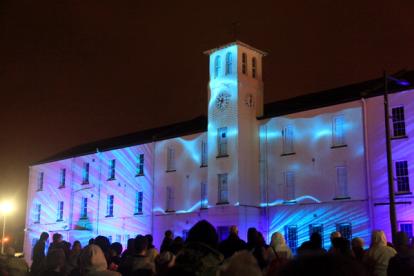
(6, 207)
(391, 192)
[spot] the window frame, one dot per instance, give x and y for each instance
(223, 189)
(59, 215)
(338, 131)
(112, 169)
(399, 128)
(84, 208)
(171, 159)
(402, 179)
(222, 142)
(229, 63)
(244, 63)
(139, 199)
(85, 173)
(110, 206)
(140, 165)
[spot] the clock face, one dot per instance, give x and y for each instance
(222, 101)
(248, 100)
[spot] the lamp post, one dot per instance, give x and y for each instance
(6, 208)
(391, 192)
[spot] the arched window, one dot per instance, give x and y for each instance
(244, 63)
(254, 67)
(229, 63)
(217, 66)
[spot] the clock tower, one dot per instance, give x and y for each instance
(235, 100)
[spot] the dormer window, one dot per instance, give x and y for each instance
(217, 66)
(244, 63)
(229, 63)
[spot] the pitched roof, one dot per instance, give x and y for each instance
(338, 95)
(193, 126)
(324, 98)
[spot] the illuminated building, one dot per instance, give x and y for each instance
(311, 163)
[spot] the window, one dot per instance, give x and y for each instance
(345, 229)
(140, 165)
(203, 153)
(254, 67)
(338, 135)
(203, 199)
(170, 199)
(85, 173)
(244, 63)
(111, 173)
(37, 213)
(222, 141)
(316, 228)
(84, 207)
(341, 182)
(407, 227)
(229, 63)
(287, 134)
(217, 66)
(60, 211)
(127, 237)
(398, 121)
(170, 159)
(403, 183)
(138, 203)
(223, 232)
(291, 234)
(118, 238)
(62, 181)
(40, 179)
(290, 185)
(110, 206)
(222, 189)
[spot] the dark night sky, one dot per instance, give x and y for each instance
(77, 71)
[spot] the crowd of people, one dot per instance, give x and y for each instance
(202, 254)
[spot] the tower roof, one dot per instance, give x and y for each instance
(237, 42)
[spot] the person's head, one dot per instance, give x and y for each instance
(91, 241)
(115, 249)
(341, 246)
(169, 234)
(335, 234)
(378, 238)
(234, 230)
(150, 240)
(44, 236)
(316, 240)
(357, 243)
(277, 240)
(141, 244)
(252, 235)
(92, 259)
(401, 241)
(76, 246)
(57, 238)
(103, 243)
(177, 245)
(260, 239)
(203, 232)
(131, 245)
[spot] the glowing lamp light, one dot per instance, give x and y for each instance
(6, 239)
(6, 207)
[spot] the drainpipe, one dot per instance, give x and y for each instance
(367, 163)
(99, 155)
(153, 186)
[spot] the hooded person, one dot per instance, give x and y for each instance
(378, 254)
(93, 262)
(278, 243)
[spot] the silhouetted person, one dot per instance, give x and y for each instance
(177, 245)
(115, 251)
(199, 255)
(402, 263)
(167, 241)
(104, 244)
(251, 238)
(57, 242)
(38, 256)
(278, 243)
(92, 262)
(358, 248)
(232, 244)
(139, 263)
(152, 251)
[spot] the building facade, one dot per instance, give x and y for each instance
(314, 163)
